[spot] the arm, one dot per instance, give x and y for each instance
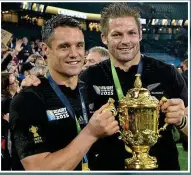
(100, 124)
(65, 159)
(176, 107)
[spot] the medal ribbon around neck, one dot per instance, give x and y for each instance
(116, 78)
(69, 108)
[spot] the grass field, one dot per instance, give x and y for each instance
(183, 157)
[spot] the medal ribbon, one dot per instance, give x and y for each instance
(116, 78)
(69, 108)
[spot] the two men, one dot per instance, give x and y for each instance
(121, 32)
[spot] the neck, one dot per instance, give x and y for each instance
(12, 93)
(61, 79)
(125, 65)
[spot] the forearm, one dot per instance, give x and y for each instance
(67, 158)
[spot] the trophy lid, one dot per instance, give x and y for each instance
(139, 97)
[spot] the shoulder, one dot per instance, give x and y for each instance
(31, 94)
(36, 89)
(102, 65)
(95, 70)
(28, 106)
(155, 62)
(166, 73)
(150, 63)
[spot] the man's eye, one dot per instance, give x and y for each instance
(64, 46)
(133, 33)
(116, 34)
(80, 45)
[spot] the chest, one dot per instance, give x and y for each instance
(104, 87)
(61, 125)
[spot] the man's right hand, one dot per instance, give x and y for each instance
(102, 123)
(30, 80)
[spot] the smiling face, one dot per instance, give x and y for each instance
(123, 38)
(66, 52)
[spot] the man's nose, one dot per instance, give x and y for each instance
(125, 39)
(73, 52)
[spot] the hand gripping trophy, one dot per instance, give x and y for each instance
(138, 118)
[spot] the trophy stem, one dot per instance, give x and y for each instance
(141, 159)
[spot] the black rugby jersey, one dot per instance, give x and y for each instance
(162, 80)
(41, 123)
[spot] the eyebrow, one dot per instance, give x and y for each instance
(133, 29)
(68, 44)
(130, 29)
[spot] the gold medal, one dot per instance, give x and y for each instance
(85, 167)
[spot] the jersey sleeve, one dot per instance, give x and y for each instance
(28, 124)
(179, 86)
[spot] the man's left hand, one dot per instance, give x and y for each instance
(174, 109)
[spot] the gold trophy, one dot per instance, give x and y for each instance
(138, 118)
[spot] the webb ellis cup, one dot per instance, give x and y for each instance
(138, 116)
(138, 119)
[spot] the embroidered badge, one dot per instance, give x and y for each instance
(57, 114)
(103, 90)
(34, 131)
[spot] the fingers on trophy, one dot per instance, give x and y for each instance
(164, 100)
(111, 107)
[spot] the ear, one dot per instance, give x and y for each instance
(104, 38)
(140, 34)
(45, 48)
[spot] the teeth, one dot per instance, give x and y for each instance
(124, 49)
(72, 63)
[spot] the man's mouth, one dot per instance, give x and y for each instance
(124, 49)
(73, 62)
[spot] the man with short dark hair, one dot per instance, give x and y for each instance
(49, 123)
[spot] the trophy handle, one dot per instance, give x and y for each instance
(164, 99)
(114, 111)
(163, 128)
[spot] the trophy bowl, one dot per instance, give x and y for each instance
(138, 119)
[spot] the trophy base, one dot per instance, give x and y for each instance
(141, 159)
